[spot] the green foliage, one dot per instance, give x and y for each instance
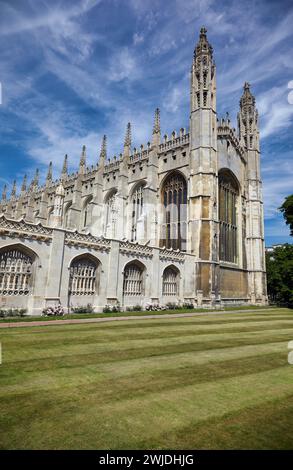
(188, 305)
(134, 308)
(172, 306)
(111, 309)
(83, 309)
(12, 312)
(287, 211)
(280, 275)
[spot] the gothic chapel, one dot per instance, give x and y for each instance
(178, 220)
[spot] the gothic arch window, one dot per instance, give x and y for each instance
(83, 276)
(171, 281)
(111, 214)
(133, 279)
(137, 202)
(87, 212)
(174, 196)
(16, 270)
(66, 214)
(228, 196)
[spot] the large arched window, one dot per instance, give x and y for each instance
(15, 272)
(83, 274)
(111, 215)
(133, 279)
(171, 281)
(174, 195)
(228, 195)
(137, 208)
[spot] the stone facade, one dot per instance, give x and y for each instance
(178, 220)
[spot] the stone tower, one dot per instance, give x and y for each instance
(249, 138)
(202, 229)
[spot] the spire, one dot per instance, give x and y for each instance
(127, 141)
(49, 174)
(203, 46)
(23, 186)
(64, 167)
(247, 99)
(13, 191)
(203, 75)
(35, 182)
(103, 153)
(156, 128)
(82, 161)
(248, 119)
(4, 193)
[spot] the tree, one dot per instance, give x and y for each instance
(280, 275)
(287, 210)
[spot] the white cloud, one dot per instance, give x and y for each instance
(138, 38)
(131, 78)
(123, 65)
(14, 22)
(275, 111)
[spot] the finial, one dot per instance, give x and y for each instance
(157, 126)
(103, 153)
(82, 162)
(35, 181)
(127, 142)
(13, 191)
(4, 193)
(203, 46)
(24, 182)
(65, 167)
(49, 174)
(247, 99)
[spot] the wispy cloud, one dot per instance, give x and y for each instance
(72, 71)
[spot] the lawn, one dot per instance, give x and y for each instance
(210, 381)
(75, 316)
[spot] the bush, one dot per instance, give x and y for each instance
(116, 308)
(83, 309)
(12, 312)
(155, 307)
(134, 308)
(107, 309)
(111, 309)
(172, 306)
(188, 305)
(57, 311)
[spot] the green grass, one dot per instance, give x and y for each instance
(74, 316)
(211, 381)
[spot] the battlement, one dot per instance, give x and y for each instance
(175, 141)
(228, 132)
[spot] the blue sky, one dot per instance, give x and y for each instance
(74, 70)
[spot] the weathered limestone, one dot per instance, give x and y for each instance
(114, 233)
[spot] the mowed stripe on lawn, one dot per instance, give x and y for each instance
(149, 384)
